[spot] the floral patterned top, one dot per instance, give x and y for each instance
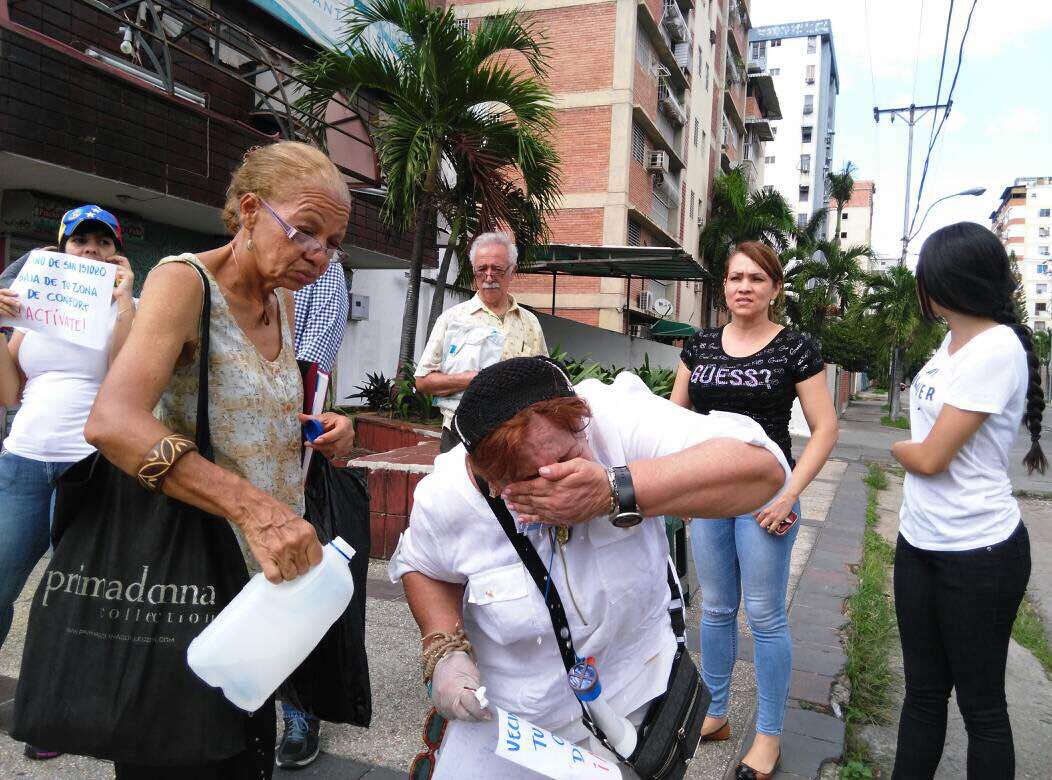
(252, 401)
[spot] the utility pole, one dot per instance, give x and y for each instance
(910, 114)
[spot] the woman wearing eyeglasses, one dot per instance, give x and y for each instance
(287, 207)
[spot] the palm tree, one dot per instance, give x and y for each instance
(824, 284)
(447, 101)
(1043, 353)
(840, 186)
(805, 240)
(738, 215)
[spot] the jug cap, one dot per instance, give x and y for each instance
(342, 547)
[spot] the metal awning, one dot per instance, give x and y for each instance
(624, 262)
(670, 329)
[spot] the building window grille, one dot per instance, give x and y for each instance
(812, 44)
(639, 146)
(809, 104)
(805, 163)
(768, 160)
(805, 194)
(810, 77)
(697, 131)
(776, 42)
(806, 133)
(801, 220)
(634, 235)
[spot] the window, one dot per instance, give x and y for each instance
(758, 50)
(768, 160)
(805, 194)
(805, 163)
(801, 220)
(633, 233)
(1044, 212)
(809, 104)
(1042, 232)
(1039, 325)
(1041, 289)
(692, 204)
(1040, 308)
(812, 44)
(805, 133)
(774, 130)
(775, 71)
(697, 131)
(462, 25)
(843, 234)
(700, 212)
(810, 76)
(1042, 268)
(1042, 251)
(703, 137)
(706, 75)
(776, 42)
(639, 146)
(846, 215)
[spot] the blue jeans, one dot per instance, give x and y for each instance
(732, 555)
(27, 499)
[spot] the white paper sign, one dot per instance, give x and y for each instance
(483, 751)
(65, 297)
(538, 749)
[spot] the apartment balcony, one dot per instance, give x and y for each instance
(661, 138)
(670, 105)
(761, 90)
(673, 20)
(661, 40)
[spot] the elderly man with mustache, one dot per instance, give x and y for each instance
(480, 332)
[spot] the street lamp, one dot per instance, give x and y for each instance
(975, 191)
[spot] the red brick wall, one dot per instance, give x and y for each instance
(582, 139)
(577, 226)
(584, 316)
(640, 193)
(580, 43)
(644, 92)
(657, 9)
(565, 285)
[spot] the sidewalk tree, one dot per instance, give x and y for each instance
(739, 215)
(447, 102)
(824, 285)
(840, 187)
(1043, 353)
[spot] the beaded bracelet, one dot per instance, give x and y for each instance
(160, 459)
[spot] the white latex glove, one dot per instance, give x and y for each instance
(453, 686)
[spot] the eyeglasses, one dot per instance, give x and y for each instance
(423, 765)
(309, 244)
(495, 271)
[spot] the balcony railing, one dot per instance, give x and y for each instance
(673, 21)
(670, 105)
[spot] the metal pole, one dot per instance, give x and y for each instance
(628, 304)
(553, 292)
(909, 177)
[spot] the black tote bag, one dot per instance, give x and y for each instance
(332, 683)
(133, 578)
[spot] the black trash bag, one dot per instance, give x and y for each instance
(332, 684)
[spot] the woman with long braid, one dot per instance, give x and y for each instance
(963, 556)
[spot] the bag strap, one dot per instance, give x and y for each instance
(203, 436)
(542, 579)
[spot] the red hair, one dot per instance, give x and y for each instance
(497, 455)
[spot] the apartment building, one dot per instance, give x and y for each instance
(1023, 221)
(856, 225)
(802, 62)
(650, 97)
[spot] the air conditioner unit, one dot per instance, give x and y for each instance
(639, 331)
(657, 162)
(645, 300)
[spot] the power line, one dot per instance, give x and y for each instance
(869, 52)
(942, 68)
(916, 53)
(942, 121)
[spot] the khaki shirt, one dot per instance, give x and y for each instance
(523, 336)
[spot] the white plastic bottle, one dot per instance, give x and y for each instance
(267, 630)
(619, 731)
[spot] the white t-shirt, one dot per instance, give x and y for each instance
(62, 380)
(617, 576)
(969, 505)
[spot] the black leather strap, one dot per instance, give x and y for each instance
(626, 491)
(203, 436)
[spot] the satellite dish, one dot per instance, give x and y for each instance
(662, 307)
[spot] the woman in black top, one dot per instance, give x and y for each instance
(755, 367)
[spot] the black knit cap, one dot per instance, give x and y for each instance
(501, 391)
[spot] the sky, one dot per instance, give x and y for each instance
(888, 54)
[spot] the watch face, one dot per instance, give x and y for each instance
(627, 519)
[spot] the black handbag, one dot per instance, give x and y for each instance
(671, 731)
(134, 577)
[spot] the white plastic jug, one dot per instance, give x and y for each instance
(261, 636)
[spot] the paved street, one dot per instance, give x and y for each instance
(828, 541)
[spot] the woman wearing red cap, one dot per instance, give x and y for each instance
(56, 382)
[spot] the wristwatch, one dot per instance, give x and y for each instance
(625, 512)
